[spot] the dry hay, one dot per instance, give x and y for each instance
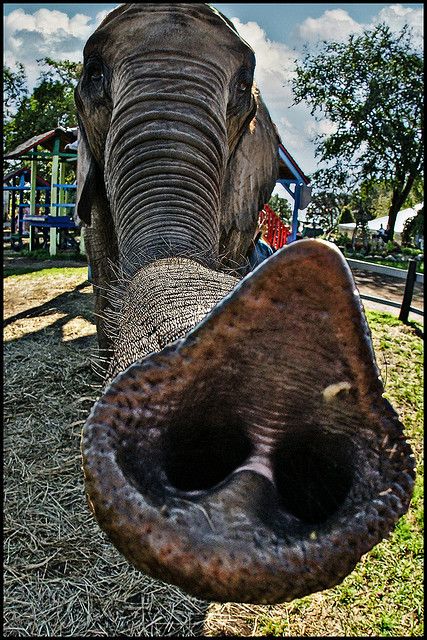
(61, 576)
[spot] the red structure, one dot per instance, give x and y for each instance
(278, 232)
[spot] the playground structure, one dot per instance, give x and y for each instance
(27, 189)
(296, 183)
(290, 175)
(60, 146)
(278, 232)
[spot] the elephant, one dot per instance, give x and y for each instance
(242, 448)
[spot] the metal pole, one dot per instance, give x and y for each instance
(297, 198)
(54, 196)
(62, 192)
(411, 276)
(13, 213)
(33, 197)
(21, 211)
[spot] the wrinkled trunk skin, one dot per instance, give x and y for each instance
(162, 302)
(164, 166)
(165, 163)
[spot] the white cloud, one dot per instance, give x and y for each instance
(47, 32)
(323, 127)
(334, 24)
(396, 16)
(338, 25)
(272, 58)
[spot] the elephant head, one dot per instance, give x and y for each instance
(242, 448)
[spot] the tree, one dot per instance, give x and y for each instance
(326, 207)
(371, 90)
(362, 206)
(413, 228)
(281, 207)
(346, 215)
(15, 89)
(51, 103)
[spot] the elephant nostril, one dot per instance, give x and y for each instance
(313, 472)
(200, 453)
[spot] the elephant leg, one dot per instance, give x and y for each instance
(102, 255)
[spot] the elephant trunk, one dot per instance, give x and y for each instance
(254, 459)
(165, 158)
(162, 302)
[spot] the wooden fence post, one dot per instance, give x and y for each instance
(411, 276)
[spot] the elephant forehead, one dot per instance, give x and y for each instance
(191, 26)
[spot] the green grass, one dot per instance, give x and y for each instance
(397, 265)
(43, 254)
(36, 271)
(383, 596)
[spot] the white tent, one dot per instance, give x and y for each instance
(375, 225)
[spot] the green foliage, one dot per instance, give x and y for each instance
(63, 71)
(346, 216)
(381, 196)
(14, 88)
(371, 89)
(340, 239)
(281, 207)
(326, 207)
(50, 104)
(413, 227)
(416, 195)
(410, 251)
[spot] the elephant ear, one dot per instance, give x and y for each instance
(86, 178)
(251, 174)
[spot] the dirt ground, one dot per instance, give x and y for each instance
(388, 288)
(61, 576)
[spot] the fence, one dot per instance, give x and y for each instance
(411, 276)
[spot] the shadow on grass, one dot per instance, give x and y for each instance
(417, 329)
(70, 303)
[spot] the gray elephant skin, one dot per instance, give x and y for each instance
(242, 448)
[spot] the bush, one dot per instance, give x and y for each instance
(413, 227)
(410, 251)
(340, 239)
(346, 216)
(391, 247)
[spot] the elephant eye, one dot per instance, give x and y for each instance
(97, 75)
(95, 72)
(243, 82)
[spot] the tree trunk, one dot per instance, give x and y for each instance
(400, 193)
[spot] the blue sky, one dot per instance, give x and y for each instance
(276, 31)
